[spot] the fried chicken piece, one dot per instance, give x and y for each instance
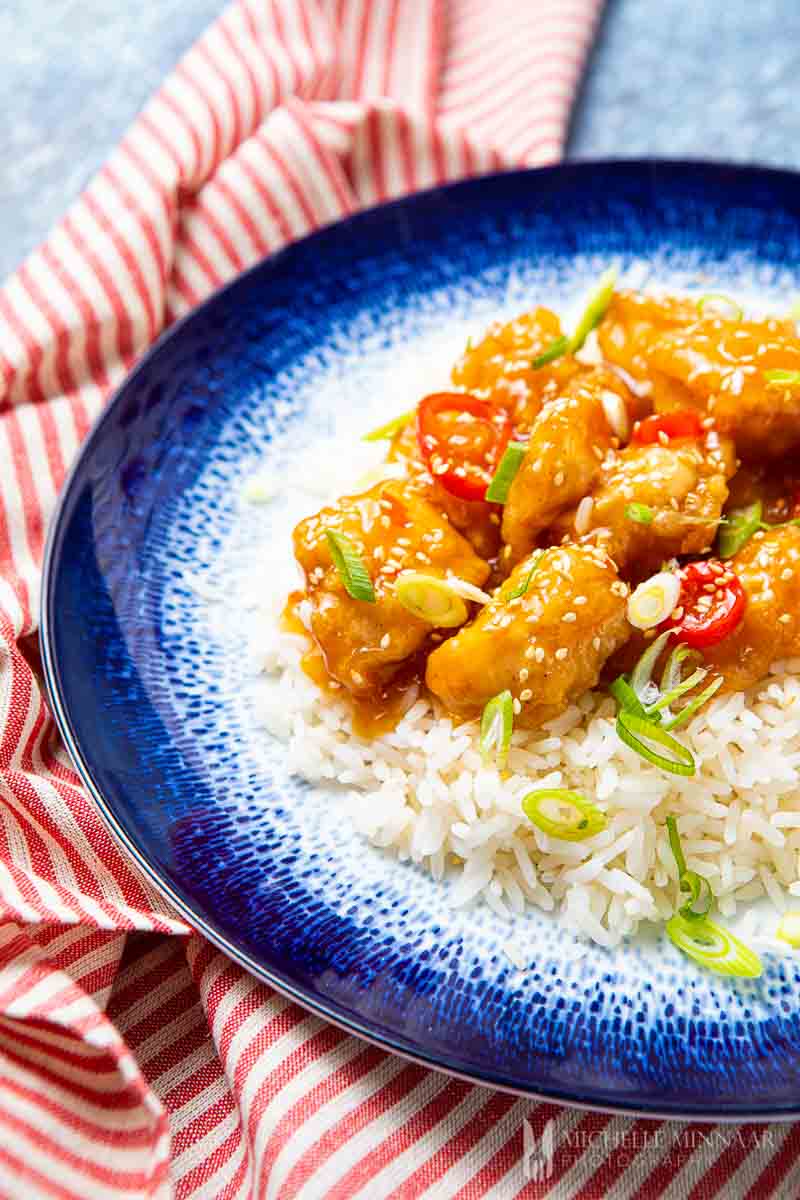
(632, 324)
(569, 441)
(769, 569)
(676, 491)
(499, 367)
(393, 529)
(546, 646)
(718, 367)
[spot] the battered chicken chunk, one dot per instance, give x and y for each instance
(769, 569)
(654, 502)
(547, 646)
(393, 529)
(499, 367)
(633, 323)
(568, 442)
(719, 368)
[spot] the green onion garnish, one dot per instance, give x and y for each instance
(698, 888)
(555, 350)
(596, 308)
(563, 814)
(390, 429)
(352, 572)
(671, 675)
(642, 514)
(632, 729)
(686, 714)
(431, 599)
(497, 723)
(642, 674)
(626, 697)
(794, 311)
(713, 947)
(742, 524)
(786, 378)
(522, 588)
(510, 463)
(593, 313)
(735, 311)
(665, 699)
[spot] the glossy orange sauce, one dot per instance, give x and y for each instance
(383, 711)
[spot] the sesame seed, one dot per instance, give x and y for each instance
(539, 654)
(558, 479)
(356, 677)
(578, 600)
(786, 573)
(530, 652)
(562, 653)
(523, 675)
(385, 642)
(596, 643)
(570, 616)
(784, 618)
(517, 707)
(526, 694)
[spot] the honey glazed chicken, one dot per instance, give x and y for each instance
(575, 502)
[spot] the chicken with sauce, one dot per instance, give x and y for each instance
(392, 529)
(587, 481)
(544, 637)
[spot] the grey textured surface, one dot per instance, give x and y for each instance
(667, 77)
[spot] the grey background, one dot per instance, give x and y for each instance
(691, 78)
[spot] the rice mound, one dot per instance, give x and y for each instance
(423, 792)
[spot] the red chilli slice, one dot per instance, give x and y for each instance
(713, 601)
(685, 423)
(462, 440)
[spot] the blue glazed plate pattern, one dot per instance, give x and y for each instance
(152, 587)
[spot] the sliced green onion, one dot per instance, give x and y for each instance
(680, 689)
(642, 514)
(596, 308)
(735, 311)
(626, 697)
(510, 463)
(671, 675)
(497, 723)
(794, 311)
(592, 315)
(789, 929)
(642, 673)
(742, 524)
(713, 947)
(631, 729)
(786, 378)
(431, 598)
(653, 600)
(564, 814)
(522, 588)
(556, 349)
(686, 714)
(390, 429)
(352, 572)
(698, 888)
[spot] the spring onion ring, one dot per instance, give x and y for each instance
(431, 598)
(632, 729)
(642, 673)
(386, 432)
(350, 567)
(713, 947)
(497, 724)
(584, 820)
(686, 714)
(642, 514)
(742, 524)
(522, 588)
(592, 315)
(653, 600)
(698, 888)
(510, 463)
(557, 349)
(782, 378)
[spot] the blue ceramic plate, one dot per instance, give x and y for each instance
(152, 700)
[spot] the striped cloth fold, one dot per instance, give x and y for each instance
(138, 1064)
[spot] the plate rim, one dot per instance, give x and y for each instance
(56, 701)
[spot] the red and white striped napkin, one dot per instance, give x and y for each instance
(138, 1064)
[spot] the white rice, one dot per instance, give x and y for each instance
(423, 791)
